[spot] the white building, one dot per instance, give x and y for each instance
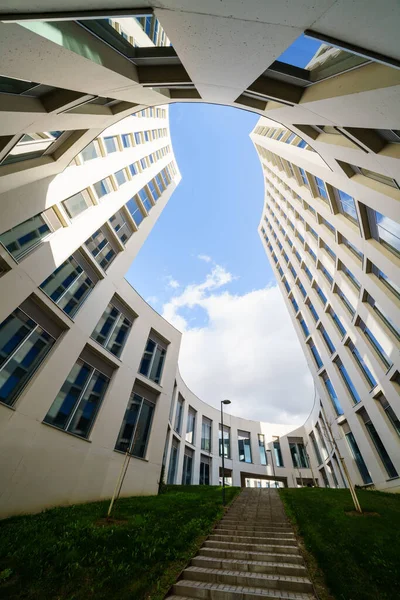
(87, 367)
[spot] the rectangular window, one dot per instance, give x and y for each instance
(390, 324)
(361, 363)
(332, 394)
(191, 425)
(244, 446)
(126, 140)
(347, 381)
(135, 430)
(77, 204)
(90, 152)
(69, 286)
(375, 344)
(352, 248)
(226, 444)
(173, 461)
(362, 467)
(299, 456)
(112, 330)
(187, 466)
(205, 467)
(278, 454)
(153, 360)
(302, 289)
(313, 312)
(23, 347)
(153, 191)
(388, 283)
(350, 276)
(316, 448)
(322, 193)
(261, 447)
(206, 434)
(327, 339)
(328, 225)
(77, 403)
(136, 213)
(391, 415)
(347, 205)
(121, 177)
(316, 355)
(303, 176)
(110, 144)
(145, 200)
(101, 248)
(326, 273)
(179, 414)
(337, 322)
(345, 301)
(321, 294)
(103, 187)
(23, 238)
(379, 446)
(304, 326)
(294, 304)
(133, 169)
(121, 226)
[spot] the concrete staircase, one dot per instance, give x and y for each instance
(252, 553)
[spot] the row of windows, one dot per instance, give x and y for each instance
(25, 237)
(283, 135)
(150, 25)
(103, 146)
(33, 145)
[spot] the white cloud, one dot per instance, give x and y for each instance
(204, 257)
(248, 351)
(171, 282)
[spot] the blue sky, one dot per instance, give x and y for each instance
(204, 269)
(215, 210)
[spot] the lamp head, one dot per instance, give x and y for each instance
(226, 402)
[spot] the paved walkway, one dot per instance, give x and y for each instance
(252, 553)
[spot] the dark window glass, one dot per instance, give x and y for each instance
(24, 237)
(136, 426)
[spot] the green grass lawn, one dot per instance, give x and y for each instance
(63, 553)
(358, 556)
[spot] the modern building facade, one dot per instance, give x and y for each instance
(88, 369)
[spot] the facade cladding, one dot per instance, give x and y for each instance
(87, 369)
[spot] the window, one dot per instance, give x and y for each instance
(136, 214)
(153, 360)
(153, 191)
(347, 381)
(112, 330)
(385, 230)
(361, 363)
(90, 152)
(327, 339)
(121, 226)
(294, 304)
(103, 187)
(179, 414)
(206, 434)
(121, 177)
(385, 179)
(321, 294)
(302, 144)
(77, 204)
(303, 176)
(287, 286)
(352, 248)
(23, 347)
(77, 403)
(173, 461)
(391, 415)
(316, 448)
(313, 311)
(191, 425)
(390, 285)
(304, 326)
(126, 140)
(261, 447)
(375, 344)
(205, 464)
(32, 145)
(136, 426)
(290, 138)
(337, 322)
(362, 467)
(308, 273)
(133, 169)
(325, 271)
(328, 249)
(350, 276)
(384, 317)
(145, 200)
(322, 193)
(101, 248)
(324, 477)
(316, 355)
(23, 238)
(110, 144)
(226, 444)
(347, 206)
(312, 254)
(299, 455)
(302, 289)
(244, 446)
(278, 454)
(345, 301)
(332, 394)
(187, 466)
(322, 437)
(328, 225)
(69, 285)
(379, 446)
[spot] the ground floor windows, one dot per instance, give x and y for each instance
(77, 403)
(23, 346)
(187, 470)
(205, 470)
(379, 446)
(206, 434)
(299, 455)
(278, 454)
(173, 461)
(355, 451)
(225, 444)
(136, 426)
(261, 447)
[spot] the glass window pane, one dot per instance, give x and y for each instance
(75, 205)
(128, 426)
(89, 405)
(69, 394)
(24, 237)
(143, 429)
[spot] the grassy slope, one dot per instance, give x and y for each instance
(359, 556)
(61, 554)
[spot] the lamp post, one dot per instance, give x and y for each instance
(273, 466)
(223, 449)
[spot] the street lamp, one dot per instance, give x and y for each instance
(273, 466)
(223, 449)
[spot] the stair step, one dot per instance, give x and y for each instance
(257, 533)
(220, 553)
(252, 539)
(259, 580)
(254, 527)
(251, 566)
(214, 591)
(252, 547)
